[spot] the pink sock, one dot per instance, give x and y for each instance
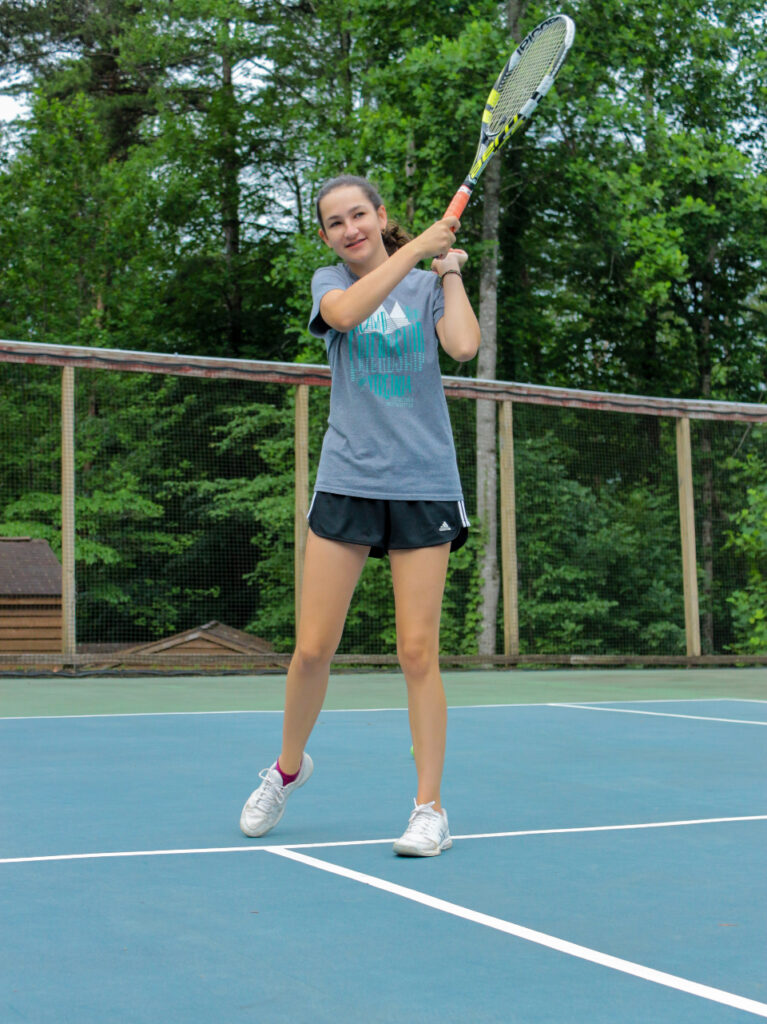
(285, 777)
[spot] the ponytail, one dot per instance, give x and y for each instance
(394, 237)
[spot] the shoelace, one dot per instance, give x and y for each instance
(269, 793)
(421, 821)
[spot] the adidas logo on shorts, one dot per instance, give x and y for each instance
(444, 527)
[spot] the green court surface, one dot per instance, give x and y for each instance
(62, 695)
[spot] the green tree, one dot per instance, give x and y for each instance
(66, 48)
(160, 197)
(748, 539)
(76, 238)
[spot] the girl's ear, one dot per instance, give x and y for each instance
(324, 237)
(383, 218)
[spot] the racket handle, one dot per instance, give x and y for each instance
(459, 202)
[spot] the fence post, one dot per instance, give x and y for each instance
(300, 528)
(509, 533)
(687, 529)
(68, 596)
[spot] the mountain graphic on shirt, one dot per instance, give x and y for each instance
(384, 351)
(385, 322)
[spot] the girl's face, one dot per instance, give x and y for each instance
(352, 226)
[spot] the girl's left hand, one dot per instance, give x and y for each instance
(454, 260)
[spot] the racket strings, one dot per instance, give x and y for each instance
(539, 60)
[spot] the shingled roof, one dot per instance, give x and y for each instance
(28, 568)
(207, 642)
(213, 635)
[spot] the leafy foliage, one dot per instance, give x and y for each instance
(159, 195)
(749, 538)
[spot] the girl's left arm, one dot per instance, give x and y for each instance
(458, 329)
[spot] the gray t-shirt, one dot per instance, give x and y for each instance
(389, 433)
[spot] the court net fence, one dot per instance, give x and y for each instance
(170, 493)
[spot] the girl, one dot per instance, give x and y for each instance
(387, 481)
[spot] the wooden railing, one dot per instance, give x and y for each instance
(506, 393)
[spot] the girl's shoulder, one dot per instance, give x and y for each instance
(335, 273)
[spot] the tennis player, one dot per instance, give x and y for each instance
(387, 481)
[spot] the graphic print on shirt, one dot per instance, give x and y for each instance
(385, 351)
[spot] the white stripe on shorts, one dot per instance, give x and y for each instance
(314, 498)
(462, 513)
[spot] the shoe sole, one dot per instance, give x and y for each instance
(411, 851)
(293, 785)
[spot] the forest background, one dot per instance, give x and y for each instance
(156, 193)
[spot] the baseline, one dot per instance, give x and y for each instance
(343, 711)
(655, 714)
(265, 711)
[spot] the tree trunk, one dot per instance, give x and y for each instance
(487, 485)
(707, 538)
(230, 213)
(707, 468)
(487, 465)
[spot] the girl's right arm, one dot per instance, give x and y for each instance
(345, 309)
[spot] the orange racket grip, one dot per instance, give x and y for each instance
(459, 202)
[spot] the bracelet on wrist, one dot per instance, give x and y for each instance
(441, 276)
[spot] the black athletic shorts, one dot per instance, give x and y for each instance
(384, 525)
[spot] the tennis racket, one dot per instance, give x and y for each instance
(527, 77)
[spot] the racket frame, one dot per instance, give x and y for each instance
(489, 144)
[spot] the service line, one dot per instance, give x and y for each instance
(252, 848)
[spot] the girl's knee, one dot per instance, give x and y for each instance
(311, 656)
(418, 657)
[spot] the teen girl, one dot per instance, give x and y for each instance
(387, 481)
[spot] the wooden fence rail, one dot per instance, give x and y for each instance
(303, 377)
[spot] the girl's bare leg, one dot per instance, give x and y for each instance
(331, 571)
(419, 581)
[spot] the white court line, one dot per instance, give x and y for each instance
(661, 700)
(362, 711)
(266, 711)
(602, 828)
(374, 842)
(133, 714)
(529, 935)
(656, 714)
(256, 711)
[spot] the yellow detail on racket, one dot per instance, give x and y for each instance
(525, 79)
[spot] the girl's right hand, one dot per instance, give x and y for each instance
(437, 240)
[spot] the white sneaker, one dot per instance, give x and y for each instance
(426, 835)
(266, 805)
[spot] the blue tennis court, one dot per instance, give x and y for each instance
(607, 866)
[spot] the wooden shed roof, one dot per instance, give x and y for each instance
(28, 568)
(215, 634)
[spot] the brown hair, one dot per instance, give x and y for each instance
(394, 237)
